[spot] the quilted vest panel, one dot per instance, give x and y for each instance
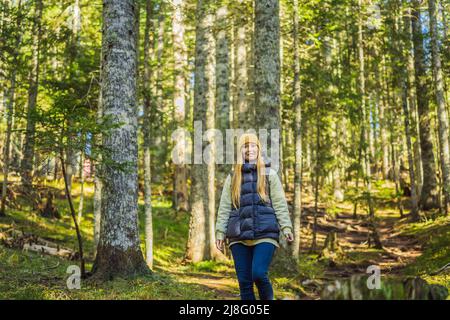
(255, 218)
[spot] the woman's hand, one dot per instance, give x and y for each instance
(219, 245)
(289, 237)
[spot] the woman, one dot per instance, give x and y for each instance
(252, 211)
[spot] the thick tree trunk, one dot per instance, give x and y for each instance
(242, 114)
(222, 93)
(429, 192)
(28, 151)
(118, 251)
(198, 246)
(267, 77)
(440, 102)
(180, 196)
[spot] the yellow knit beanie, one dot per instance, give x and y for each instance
(248, 138)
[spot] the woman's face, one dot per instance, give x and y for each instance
(250, 152)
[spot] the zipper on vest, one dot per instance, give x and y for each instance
(253, 205)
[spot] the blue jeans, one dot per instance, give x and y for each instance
(251, 264)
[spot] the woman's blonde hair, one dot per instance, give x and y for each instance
(237, 172)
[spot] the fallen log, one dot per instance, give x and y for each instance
(63, 253)
(29, 242)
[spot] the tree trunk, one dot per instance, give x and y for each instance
(81, 203)
(118, 251)
(28, 151)
(158, 122)
(98, 164)
(414, 200)
(10, 113)
(250, 56)
(316, 178)
(147, 132)
(73, 45)
(298, 139)
(242, 113)
(429, 192)
(198, 246)
(412, 99)
(222, 93)
(365, 117)
(72, 213)
(383, 128)
(180, 197)
(267, 77)
(440, 102)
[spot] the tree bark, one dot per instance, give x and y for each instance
(267, 77)
(81, 203)
(28, 151)
(242, 113)
(222, 92)
(298, 138)
(198, 246)
(365, 118)
(412, 99)
(146, 128)
(73, 50)
(180, 197)
(440, 102)
(72, 212)
(98, 184)
(118, 251)
(9, 113)
(429, 192)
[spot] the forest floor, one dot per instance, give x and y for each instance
(409, 249)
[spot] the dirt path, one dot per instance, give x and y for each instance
(397, 252)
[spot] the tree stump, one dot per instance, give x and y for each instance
(331, 248)
(373, 238)
(49, 210)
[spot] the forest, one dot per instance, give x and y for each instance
(116, 117)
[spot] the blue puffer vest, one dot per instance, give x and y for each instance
(255, 218)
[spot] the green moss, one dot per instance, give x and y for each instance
(435, 236)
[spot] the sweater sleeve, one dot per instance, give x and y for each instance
(224, 209)
(279, 203)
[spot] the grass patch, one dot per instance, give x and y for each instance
(435, 236)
